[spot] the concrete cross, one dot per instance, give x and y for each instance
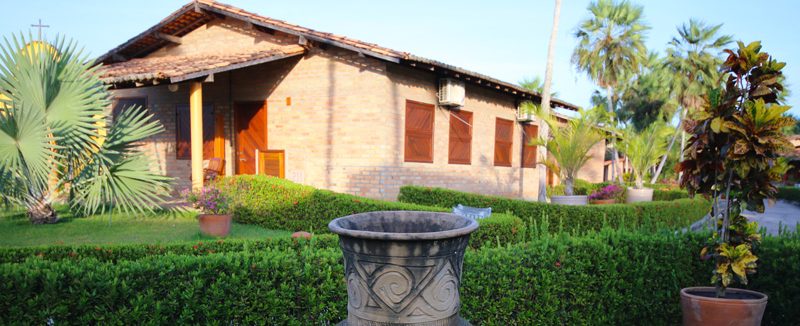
(40, 26)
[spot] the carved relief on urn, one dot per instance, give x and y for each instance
(403, 267)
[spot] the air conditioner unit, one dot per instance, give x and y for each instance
(451, 92)
(524, 115)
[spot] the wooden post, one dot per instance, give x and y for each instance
(196, 125)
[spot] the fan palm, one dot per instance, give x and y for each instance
(569, 145)
(54, 143)
(610, 46)
(645, 148)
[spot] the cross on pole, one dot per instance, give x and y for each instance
(40, 26)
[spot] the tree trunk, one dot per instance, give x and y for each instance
(544, 131)
(678, 129)
(569, 188)
(40, 211)
(614, 154)
(683, 142)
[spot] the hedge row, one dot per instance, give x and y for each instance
(498, 229)
(649, 216)
(281, 204)
(790, 194)
(613, 277)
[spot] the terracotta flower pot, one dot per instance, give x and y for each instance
(569, 200)
(738, 308)
(603, 201)
(215, 225)
(639, 195)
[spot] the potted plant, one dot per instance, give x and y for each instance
(606, 195)
(214, 217)
(569, 148)
(734, 147)
(644, 149)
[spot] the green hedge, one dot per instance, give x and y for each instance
(649, 216)
(613, 277)
(498, 229)
(790, 194)
(281, 204)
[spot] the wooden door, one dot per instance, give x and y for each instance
(250, 123)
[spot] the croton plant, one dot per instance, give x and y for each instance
(734, 153)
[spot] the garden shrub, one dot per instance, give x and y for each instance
(497, 229)
(790, 194)
(611, 277)
(277, 203)
(648, 215)
(661, 192)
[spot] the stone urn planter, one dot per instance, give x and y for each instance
(603, 201)
(569, 200)
(215, 225)
(739, 307)
(403, 267)
(639, 195)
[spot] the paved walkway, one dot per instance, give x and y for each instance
(782, 214)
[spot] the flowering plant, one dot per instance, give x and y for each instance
(209, 200)
(607, 192)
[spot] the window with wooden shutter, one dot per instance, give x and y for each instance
(530, 133)
(419, 132)
(183, 132)
(123, 103)
(503, 142)
(460, 148)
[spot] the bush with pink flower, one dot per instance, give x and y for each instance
(209, 200)
(608, 192)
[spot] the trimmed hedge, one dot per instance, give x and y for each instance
(613, 277)
(649, 216)
(790, 194)
(498, 229)
(281, 204)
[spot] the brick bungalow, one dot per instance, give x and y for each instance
(269, 97)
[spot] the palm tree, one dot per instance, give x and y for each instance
(569, 144)
(54, 142)
(693, 56)
(647, 98)
(546, 94)
(644, 148)
(610, 46)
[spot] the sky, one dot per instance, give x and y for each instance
(503, 39)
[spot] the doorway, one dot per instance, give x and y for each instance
(250, 128)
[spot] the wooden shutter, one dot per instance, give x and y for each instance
(531, 132)
(272, 163)
(123, 103)
(503, 141)
(419, 132)
(183, 132)
(460, 148)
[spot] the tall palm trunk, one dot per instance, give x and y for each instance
(660, 167)
(544, 131)
(614, 154)
(40, 211)
(683, 141)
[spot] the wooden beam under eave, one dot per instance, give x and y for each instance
(196, 126)
(169, 38)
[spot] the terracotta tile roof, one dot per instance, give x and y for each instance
(191, 16)
(178, 68)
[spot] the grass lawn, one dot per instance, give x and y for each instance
(17, 231)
